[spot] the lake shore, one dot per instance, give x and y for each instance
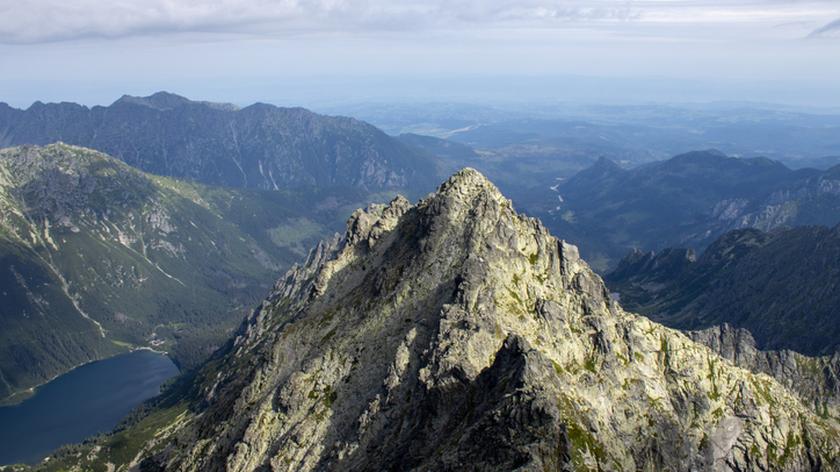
(88, 400)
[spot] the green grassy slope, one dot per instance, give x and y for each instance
(98, 257)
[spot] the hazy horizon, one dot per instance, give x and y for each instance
(314, 53)
(332, 92)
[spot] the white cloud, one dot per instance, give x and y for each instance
(34, 21)
(831, 29)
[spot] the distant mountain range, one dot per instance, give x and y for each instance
(628, 134)
(98, 257)
(688, 200)
(260, 146)
(782, 286)
(421, 332)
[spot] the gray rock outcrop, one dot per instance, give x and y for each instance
(458, 335)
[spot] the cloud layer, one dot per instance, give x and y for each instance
(35, 21)
(832, 29)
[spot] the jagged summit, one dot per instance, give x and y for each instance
(457, 334)
(467, 180)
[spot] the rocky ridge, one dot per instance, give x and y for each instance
(458, 334)
(815, 379)
(259, 146)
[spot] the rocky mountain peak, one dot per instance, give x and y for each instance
(456, 333)
(466, 183)
(466, 217)
(159, 100)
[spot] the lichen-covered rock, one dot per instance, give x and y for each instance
(815, 379)
(459, 335)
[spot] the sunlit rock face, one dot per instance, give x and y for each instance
(456, 334)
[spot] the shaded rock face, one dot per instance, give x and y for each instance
(649, 271)
(459, 335)
(782, 286)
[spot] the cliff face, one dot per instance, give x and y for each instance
(457, 334)
(815, 379)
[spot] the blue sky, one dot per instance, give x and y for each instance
(326, 51)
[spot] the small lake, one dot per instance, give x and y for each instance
(88, 400)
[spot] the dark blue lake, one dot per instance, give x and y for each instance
(85, 401)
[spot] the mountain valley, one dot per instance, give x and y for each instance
(688, 200)
(99, 258)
